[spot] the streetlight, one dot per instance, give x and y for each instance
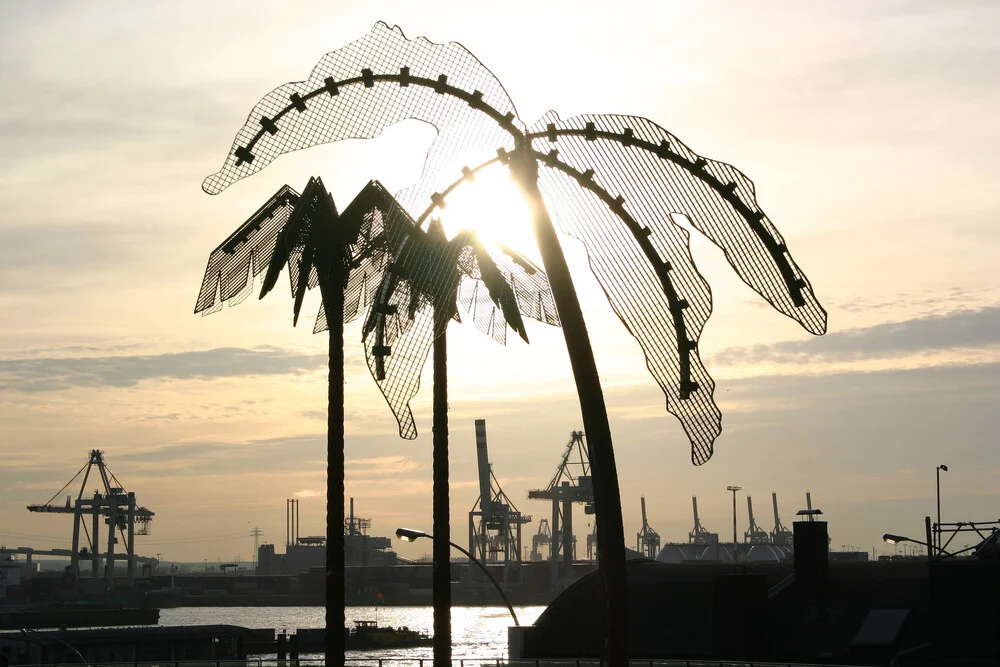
(32, 636)
(410, 535)
(937, 475)
(734, 489)
(899, 539)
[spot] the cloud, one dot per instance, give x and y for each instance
(382, 465)
(960, 329)
(58, 373)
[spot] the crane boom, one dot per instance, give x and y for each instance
(485, 492)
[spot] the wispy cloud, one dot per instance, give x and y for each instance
(961, 329)
(58, 373)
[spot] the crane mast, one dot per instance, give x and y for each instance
(780, 536)
(699, 534)
(754, 534)
(647, 540)
(494, 522)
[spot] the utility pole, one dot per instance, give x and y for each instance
(734, 489)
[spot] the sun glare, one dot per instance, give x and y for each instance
(493, 207)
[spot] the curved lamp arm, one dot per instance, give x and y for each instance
(410, 535)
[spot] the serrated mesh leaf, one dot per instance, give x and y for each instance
(245, 254)
(614, 182)
(654, 171)
(363, 88)
(429, 277)
(637, 294)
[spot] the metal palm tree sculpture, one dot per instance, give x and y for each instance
(617, 183)
(419, 295)
(340, 254)
(371, 254)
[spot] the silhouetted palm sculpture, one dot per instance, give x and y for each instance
(429, 278)
(614, 182)
(372, 253)
(340, 254)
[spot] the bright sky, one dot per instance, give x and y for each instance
(869, 130)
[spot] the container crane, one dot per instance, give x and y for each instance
(542, 538)
(114, 507)
(494, 522)
(592, 542)
(699, 534)
(755, 534)
(647, 540)
(780, 536)
(563, 490)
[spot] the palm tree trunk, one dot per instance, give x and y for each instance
(442, 511)
(333, 304)
(607, 497)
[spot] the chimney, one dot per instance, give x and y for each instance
(812, 562)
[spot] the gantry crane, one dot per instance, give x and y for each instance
(780, 536)
(563, 490)
(755, 534)
(592, 543)
(542, 538)
(494, 522)
(112, 506)
(699, 534)
(647, 540)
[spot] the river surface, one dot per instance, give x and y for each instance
(477, 632)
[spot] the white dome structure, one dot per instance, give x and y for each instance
(763, 553)
(671, 554)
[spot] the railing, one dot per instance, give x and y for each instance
(428, 662)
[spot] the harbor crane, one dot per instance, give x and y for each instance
(699, 534)
(563, 490)
(647, 540)
(543, 538)
(111, 505)
(494, 522)
(754, 534)
(780, 536)
(592, 542)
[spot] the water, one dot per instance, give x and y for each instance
(476, 632)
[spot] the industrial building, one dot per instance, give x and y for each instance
(302, 554)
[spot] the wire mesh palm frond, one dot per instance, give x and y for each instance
(615, 182)
(245, 254)
(423, 285)
(309, 245)
(371, 84)
(375, 222)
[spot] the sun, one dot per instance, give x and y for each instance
(493, 207)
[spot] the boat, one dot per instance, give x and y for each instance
(369, 635)
(366, 635)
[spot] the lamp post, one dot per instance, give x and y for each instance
(32, 636)
(931, 547)
(410, 535)
(937, 527)
(734, 489)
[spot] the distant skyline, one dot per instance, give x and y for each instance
(868, 129)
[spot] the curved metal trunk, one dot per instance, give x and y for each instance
(607, 497)
(441, 519)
